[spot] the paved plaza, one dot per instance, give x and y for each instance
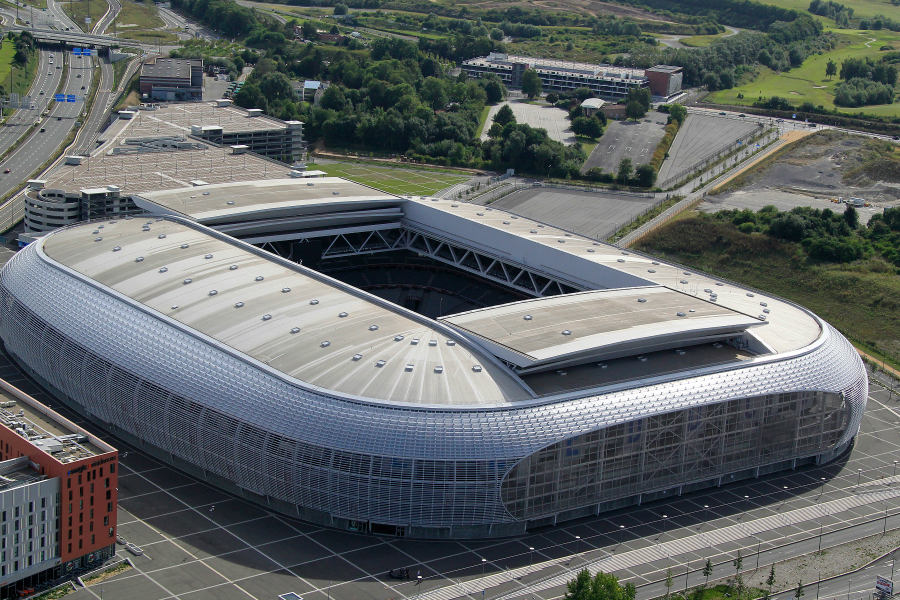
(554, 120)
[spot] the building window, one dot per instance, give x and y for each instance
(110, 532)
(107, 482)
(16, 512)
(16, 524)
(91, 526)
(81, 492)
(109, 507)
(81, 505)
(112, 468)
(81, 517)
(70, 548)
(70, 534)
(92, 488)
(29, 561)
(43, 503)
(92, 514)
(15, 566)
(81, 530)
(92, 500)
(79, 479)
(70, 508)
(92, 539)
(31, 506)
(70, 494)
(80, 544)
(105, 521)
(70, 521)
(108, 494)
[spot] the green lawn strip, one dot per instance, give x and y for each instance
(697, 41)
(483, 121)
(587, 143)
(780, 268)
(22, 77)
(138, 13)
(861, 8)
(394, 181)
(808, 83)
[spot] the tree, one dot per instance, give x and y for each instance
(276, 86)
(603, 586)
(434, 93)
(677, 113)
(552, 98)
(531, 83)
(334, 30)
(798, 593)
(250, 96)
(707, 571)
(625, 169)
(340, 9)
(646, 176)
(333, 98)
(669, 582)
(851, 217)
(496, 34)
(641, 95)
(738, 563)
(770, 581)
(635, 110)
(830, 69)
(504, 116)
(589, 127)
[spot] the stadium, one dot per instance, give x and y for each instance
(415, 366)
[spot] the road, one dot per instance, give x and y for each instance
(97, 117)
(103, 24)
(173, 19)
(40, 146)
(46, 78)
(64, 21)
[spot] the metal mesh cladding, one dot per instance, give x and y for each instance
(351, 457)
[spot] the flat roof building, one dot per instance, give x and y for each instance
(58, 493)
(172, 79)
(606, 81)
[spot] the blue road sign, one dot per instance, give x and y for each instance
(70, 98)
(76, 51)
(59, 97)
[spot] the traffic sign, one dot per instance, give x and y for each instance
(76, 51)
(59, 97)
(70, 98)
(884, 585)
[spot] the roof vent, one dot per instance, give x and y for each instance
(213, 292)
(373, 327)
(766, 310)
(206, 193)
(230, 202)
(357, 356)
(174, 306)
(185, 246)
(720, 284)
(455, 205)
(477, 368)
(117, 248)
(208, 256)
(686, 273)
(762, 317)
(681, 314)
(527, 317)
(708, 291)
(266, 317)
(99, 239)
(451, 343)
(259, 278)
(651, 270)
(342, 315)
(238, 304)
(642, 299)
(164, 269)
(566, 332)
(187, 281)
(310, 183)
(325, 344)
(161, 236)
(139, 259)
(295, 330)
(561, 241)
(432, 342)
(232, 268)
(439, 369)
(380, 363)
(313, 302)
(398, 338)
(409, 367)
(692, 310)
(620, 260)
(285, 290)
(415, 341)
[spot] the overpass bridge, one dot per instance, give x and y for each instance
(75, 38)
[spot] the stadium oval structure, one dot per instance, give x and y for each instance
(327, 403)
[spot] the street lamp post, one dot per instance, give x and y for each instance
(577, 543)
(758, 546)
(822, 489)
(531, 562)
(705, 513)
(858, 476)
(483, 562)
(895, 468)
(665, 523)
(820, 537)
(884, 529)
(621, 534)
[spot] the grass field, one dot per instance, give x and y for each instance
(698, 41)
(21, 77)
(394, 181)
(808, 83)
(139, 14)
(861, 8)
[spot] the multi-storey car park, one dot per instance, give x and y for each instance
(610, 379)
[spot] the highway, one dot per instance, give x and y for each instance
(40, 146)
(46, 78)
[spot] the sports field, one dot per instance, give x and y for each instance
(394, 181)
(809, 84)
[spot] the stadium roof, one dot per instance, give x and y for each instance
(598, 325)
(265, 199)
(294, 320)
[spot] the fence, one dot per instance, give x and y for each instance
(598, 190)
(660, 220)
(715, 155)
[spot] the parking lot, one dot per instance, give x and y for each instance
(700, 136)
(593, 215)
(202, 544)
(553, 119)
(627, 139)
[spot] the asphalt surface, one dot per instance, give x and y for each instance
(554, 120)
(35, 151)
(23, 119)
(627, 139)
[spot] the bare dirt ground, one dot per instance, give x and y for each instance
(812, 175)
(590, 7)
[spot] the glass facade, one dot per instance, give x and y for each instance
(674, 448)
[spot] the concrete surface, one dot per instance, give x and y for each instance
(627, 139)
(553, 119)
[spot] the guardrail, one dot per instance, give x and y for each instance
(597, 190)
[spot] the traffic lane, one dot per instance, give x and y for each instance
(14, 126)
(40, 146)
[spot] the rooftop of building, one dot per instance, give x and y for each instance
(172, 68)
(593, 103)
(18, 472)
(177, 118)
(598, 325)
(549, 64)
(288, 318)
(273, 198)
(665, 69)
(46, 429)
